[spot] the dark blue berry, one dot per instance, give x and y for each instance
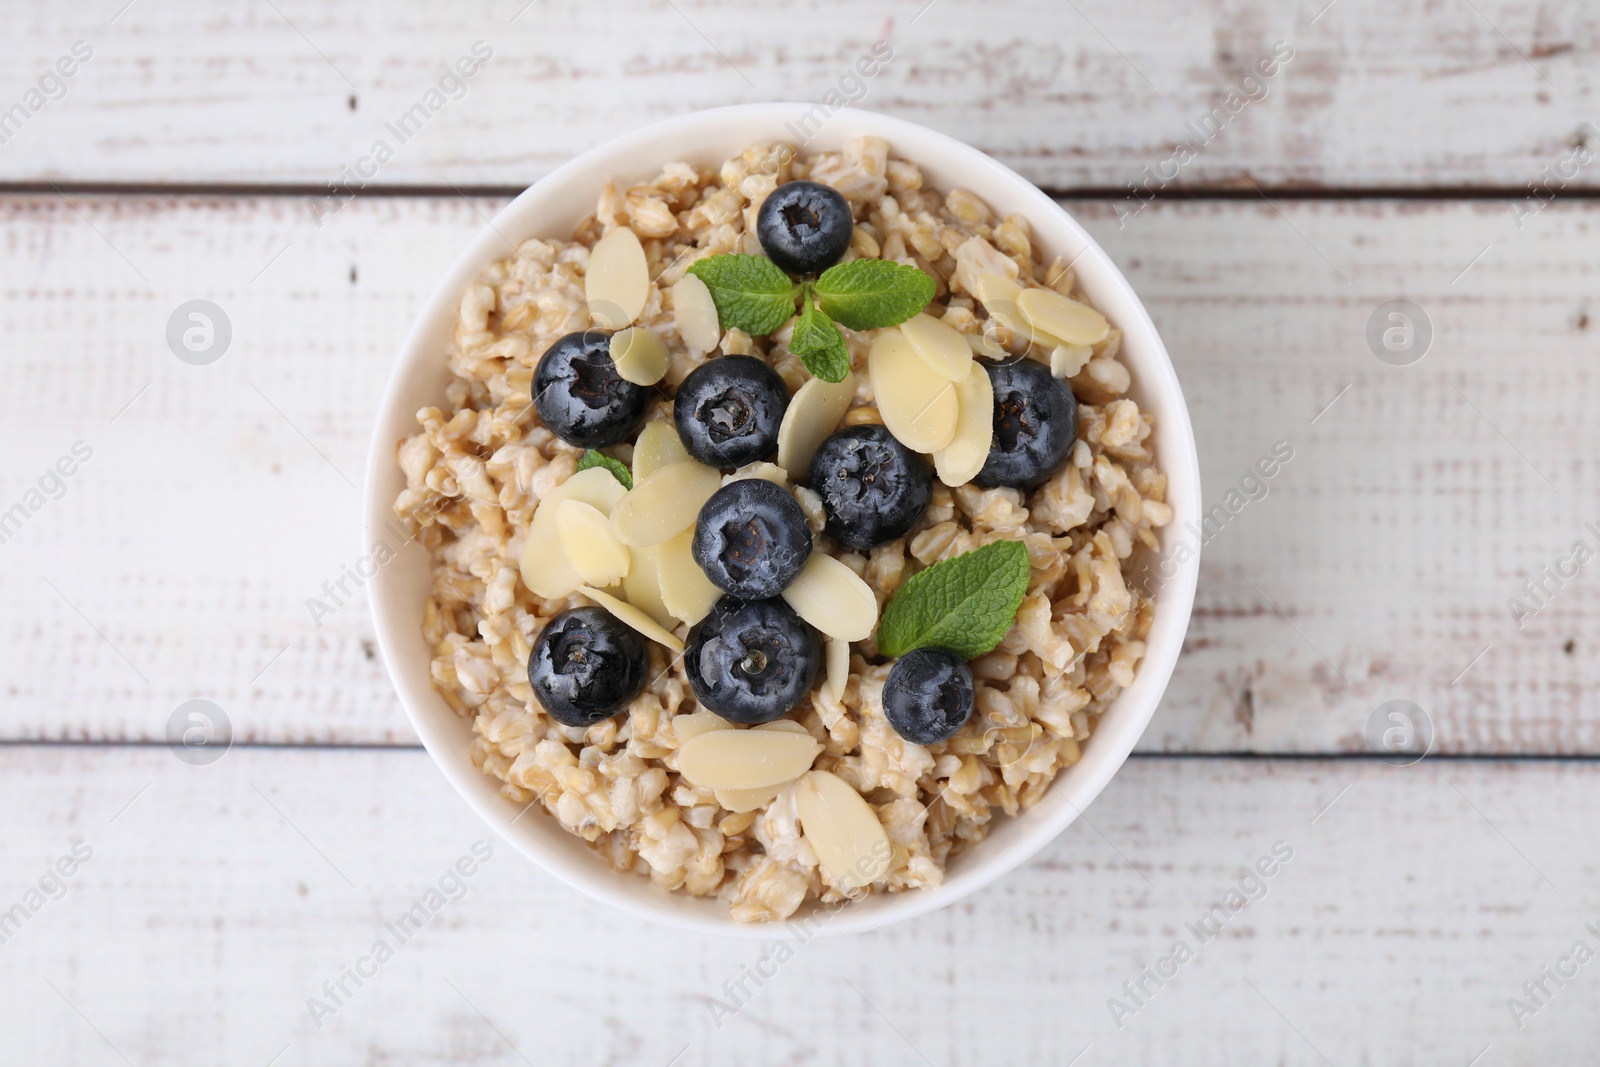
(929, 695)
(580, 396)
(728, 411)
(1035, 423)
(586, 666)
(873, 488)
(751, 539)
(804, 227)
(752, 661)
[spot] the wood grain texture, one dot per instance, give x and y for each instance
(1073, 95)
(184, 552)
(221, 898)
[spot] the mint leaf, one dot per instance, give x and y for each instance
(966, 603)
(618, 469)
(750, 292)
(820, 345)
(867, 294)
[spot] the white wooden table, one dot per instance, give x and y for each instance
(188, 158)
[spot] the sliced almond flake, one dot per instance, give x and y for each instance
(767, 472)
(784, 726)
(833, 598)
(746, 759)
(813, 413)
(642, 586)
(1062, 317)
(842, 829)
(838, 653)
(941, 346)
(917, 405)
(545, 568)
(958, 462)
(737, 800)
(664, 504)
(589, 545)
(657, 446)
(1067, 360)
(617, 281)
(998, 295)
(640, 355)
(685, 589)
(695, 314)
(696, 723)
(632, 616)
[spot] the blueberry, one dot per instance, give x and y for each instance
(752, 661)
(728, 411)
(804, 227)
(751, 539)
(1035, 423)
(586, 666)
(929, 695)
(581, 397)
(873, 488)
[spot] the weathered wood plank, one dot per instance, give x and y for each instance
(217, 503)
(1073, 95)
(221, 898)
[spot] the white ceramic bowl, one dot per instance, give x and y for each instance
(552, 208)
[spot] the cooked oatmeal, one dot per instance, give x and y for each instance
(483, 461)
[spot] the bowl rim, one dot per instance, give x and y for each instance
(1120, 726)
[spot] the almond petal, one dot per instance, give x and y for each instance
(1062, 317)
(784, 726)
(842, 829)
(632, 616)
(642, 586)
(838, 653)
(617, 281)
(833, 598)
(657, 446)
(664, 504)
(640, 355)
(746, 759)
(589, 545)
(813, 413)
(696, 723)
(960, 461)
(695, 314)
(737, 800)
(546, 570)
(942, 346)
(685, 589)
(917, 405)
(767, 472)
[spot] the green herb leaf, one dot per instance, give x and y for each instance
(966, 603)
(619, 470)
(820, 345)
(750, 292)
(868, 294)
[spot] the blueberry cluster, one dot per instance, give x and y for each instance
(752, 659)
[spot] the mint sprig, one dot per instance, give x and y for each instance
(751, 292)
(619, 470)
(869, 294)
(966, 603)
(754, 295)
(820, 345)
